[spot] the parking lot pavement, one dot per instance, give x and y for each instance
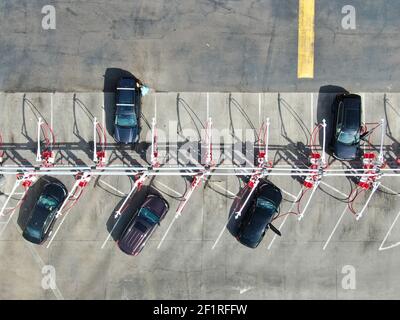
(197, 46)
(195, 255)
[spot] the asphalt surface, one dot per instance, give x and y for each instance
(196, 256)
(183, 49)
(206, 45)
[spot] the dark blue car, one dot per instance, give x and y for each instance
(44, 212)
(127, 111)
(346, 126)
(259, 213)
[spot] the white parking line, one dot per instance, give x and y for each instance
(334, 189)
(58, 228)
(392, 225)
(223, 189)
(110, 233)
(168, 188)
(387, 235)
(39, 261)
(390, 190)
(166, 232)
(288, 193)
(334, 229)
(284, 219)
(222, 232)
(113, 188)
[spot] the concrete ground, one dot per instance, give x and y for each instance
(196, 45)
(195, 256)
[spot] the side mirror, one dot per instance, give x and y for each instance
(274, 229)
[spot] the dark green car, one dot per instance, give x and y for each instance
(44, 212)
(259, 213)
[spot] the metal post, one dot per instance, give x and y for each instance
(95, 159)
(239, 212)
(38, 151)
(74, 187)
(323, 159)
(135, 186)
(267, 142)
(187, 196)
(154, 147)
(208, 159)
(380, 157)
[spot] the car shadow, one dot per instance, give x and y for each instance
(115, 226)
(326, 97)
(233, 223)
(31, 197)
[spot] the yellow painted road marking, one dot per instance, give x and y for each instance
(305, 66)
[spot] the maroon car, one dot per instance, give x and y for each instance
(142, 226)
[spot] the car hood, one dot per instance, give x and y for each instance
(344, 151)
(126, 135)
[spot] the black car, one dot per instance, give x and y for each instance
(127, 111)
(258, 214)
(346, 126)
(144, 223)
(44, 212)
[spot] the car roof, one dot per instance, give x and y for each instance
(270, 192)
(54, 188)
(351, 100)
(38, 218)
(126, 82)
(156, 204)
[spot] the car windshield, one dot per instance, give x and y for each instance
(126, 96)
(47, 202)
(149, 216)
(126, 120)
(265, 204)
(140, 227)
(348, 137)
(34, 233)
